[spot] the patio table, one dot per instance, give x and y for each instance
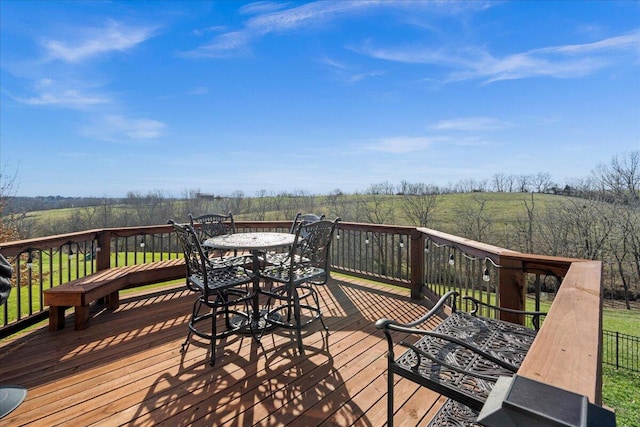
(256, 243)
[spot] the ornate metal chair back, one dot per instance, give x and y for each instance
(194, 257)
(211, 225)
(313, 241)
(303, 219)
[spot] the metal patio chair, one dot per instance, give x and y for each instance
(300, 219)
(212, 225)
(221, 286)
(292, 281)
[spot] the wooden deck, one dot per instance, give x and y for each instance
(126, 368)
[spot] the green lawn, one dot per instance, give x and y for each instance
(621, 391)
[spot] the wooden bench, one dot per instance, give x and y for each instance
(105, 285)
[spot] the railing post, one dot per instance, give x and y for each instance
(511, 289)
(417, 263)
(103, 257)
(617, 347)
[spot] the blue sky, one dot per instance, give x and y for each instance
(100, 98)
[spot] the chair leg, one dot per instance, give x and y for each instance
(267, 308)
(225, 300)
(214, 333)
(194, 313)
(316, 299)
(296, 315)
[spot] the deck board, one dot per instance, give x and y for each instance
(126, 368)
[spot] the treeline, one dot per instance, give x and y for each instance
(594, 218)
(500, 183)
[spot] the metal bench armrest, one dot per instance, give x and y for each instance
(535, 315)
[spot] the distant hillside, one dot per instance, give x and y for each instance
(29, 204)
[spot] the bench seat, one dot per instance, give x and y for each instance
(105, 284)
(461, 358)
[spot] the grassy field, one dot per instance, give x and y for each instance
(501, 207)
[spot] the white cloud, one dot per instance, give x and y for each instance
(269, 19)
(260, 7)
(213, 29)
(345, 73)
(229, 44)
(50, 92)
(567, 61)
(471, 124)
(96, 41)
(199, 90)
(136, 128)
(629, 41)
(401, 144)
(332, 63)
(361, 76)
(118, 128)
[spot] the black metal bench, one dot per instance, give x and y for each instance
(461, 358)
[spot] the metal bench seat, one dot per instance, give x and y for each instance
(462, 357)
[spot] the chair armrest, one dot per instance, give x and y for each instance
(535, 315)
(389, 324)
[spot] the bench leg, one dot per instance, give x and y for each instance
(113, 300)
(82, 316)
(56, 318)
(390, 391)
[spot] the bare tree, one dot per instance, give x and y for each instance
(419, 202)
(261, 206)
(382, 188)
(466, 185)
(472, 219)
(524, 182)
(509, 182)
(194, 202)
(499, 181)
(553, 233)
(375, 207)
(590, 223)
(278, 199)
(540, 181)
(152, 208)
(289, 206)
(623, 247)
(8, 229)
(339, 204)
(621, 177)
(236, 202)
(525, 226)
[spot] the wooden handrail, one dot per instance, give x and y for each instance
(567, 352)
(513, 267)
(17, 246)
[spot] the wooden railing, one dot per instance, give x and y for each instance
(426, 262)
(567, 353)
(43, 263)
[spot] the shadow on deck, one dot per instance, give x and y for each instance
(126, 368)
